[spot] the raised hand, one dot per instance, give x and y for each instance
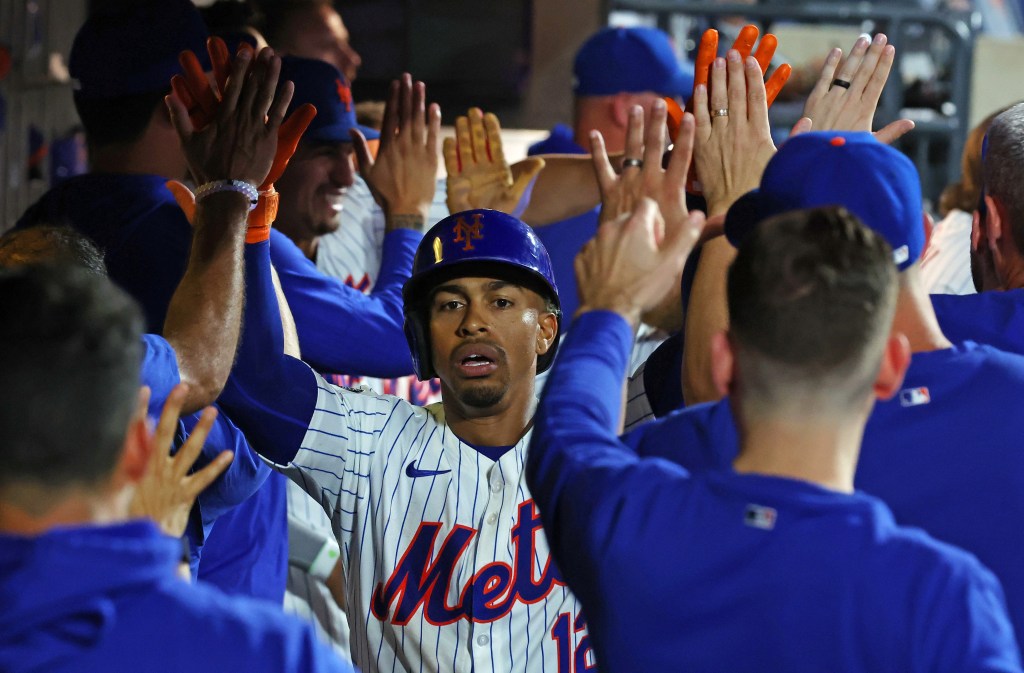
(744, 44)
(205, 102)
(194, 89)
(704, 80)
(240, 141)
(846, 95)
(634, 261)
(402, 177)
(167, 490)
(642, 173)
(733, 139)
(479, 176)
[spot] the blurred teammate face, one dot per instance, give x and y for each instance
(320, 33)
(312, 187)
(485, 336)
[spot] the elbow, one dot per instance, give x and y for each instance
(204, 386)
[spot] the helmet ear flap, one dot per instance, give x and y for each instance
(419, 345)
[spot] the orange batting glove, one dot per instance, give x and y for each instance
(288, 136)
(706, 53)
(202, 100)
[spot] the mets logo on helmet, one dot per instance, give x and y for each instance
(466, 232)
(344, 94)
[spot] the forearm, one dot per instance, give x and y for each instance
(203, 318)
(565, 188)
(706, 315)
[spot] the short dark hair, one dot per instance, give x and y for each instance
(811, 300)
(111, 121)
(60, 245)
(964, 194)
(1003, 167)
(70, 354)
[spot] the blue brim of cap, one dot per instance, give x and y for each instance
(339, 133)
(747, 212)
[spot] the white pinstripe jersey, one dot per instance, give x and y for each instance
(447, 567)
(352, 253)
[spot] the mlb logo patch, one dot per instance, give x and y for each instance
(759, 516)
(901, 254)
(913, 397)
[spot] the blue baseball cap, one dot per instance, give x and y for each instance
(323, 85)
(875, 182)
(630, 60)
(127, 48)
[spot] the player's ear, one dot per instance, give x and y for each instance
(723, 363)
(137, 449)
(547, 331)
(620, 105)
(994, 220)
(895, 360)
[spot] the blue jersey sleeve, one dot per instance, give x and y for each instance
(244, 475)
(270, 395)
(342, 330)
(697, 438)
(595, 495)
(159, 371)
(994, 318)
(968, 629)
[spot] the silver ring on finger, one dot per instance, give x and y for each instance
(632, 163)
(723, 112)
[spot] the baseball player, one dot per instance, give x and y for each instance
(84, 587)
(917, 454)
(776, 564)
(446, 566)
(201, 326)
(993, 316)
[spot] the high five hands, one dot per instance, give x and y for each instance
(645, 231)
(203, 112)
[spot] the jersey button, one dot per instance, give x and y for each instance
(492, 519)
(482, 640)
(495, 487)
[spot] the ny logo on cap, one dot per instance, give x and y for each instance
(466, 233)
(344, 95)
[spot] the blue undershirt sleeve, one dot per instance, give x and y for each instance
(270, 395)
(341, 330)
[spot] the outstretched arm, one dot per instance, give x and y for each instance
(582, 477)
(202, 321)
(340, 329)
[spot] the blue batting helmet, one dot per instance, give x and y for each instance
(474, 243)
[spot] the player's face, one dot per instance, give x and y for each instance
(312, 187)
(321, 34)
(485, 336)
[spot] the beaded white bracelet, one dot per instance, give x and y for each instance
(215, 186)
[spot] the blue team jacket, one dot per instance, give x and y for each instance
(106, 599)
